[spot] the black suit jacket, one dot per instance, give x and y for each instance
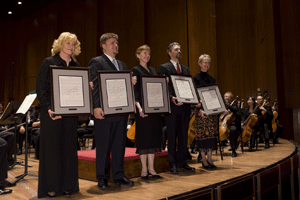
(101, 63)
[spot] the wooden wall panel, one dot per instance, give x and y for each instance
(125, 18)
(166, 23)
(202, 34)
(236, 47)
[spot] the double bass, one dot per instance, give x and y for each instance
(225, 121)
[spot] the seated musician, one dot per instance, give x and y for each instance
(235, 126)
(252, 114)
(267, 119)
(4, 167)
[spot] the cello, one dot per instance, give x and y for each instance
(275, 116)
(225, 121)
(249, 123)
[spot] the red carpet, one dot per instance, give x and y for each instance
(132, 164)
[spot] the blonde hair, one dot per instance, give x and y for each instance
(142, 48)
(56, 47)
(107, 36)
(204, 57)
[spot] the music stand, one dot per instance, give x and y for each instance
(8, 118)
(20, 114)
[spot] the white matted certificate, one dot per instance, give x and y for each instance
(212, 101)
(184, 88)
(155, 95)
(70, 91)
(116, 93)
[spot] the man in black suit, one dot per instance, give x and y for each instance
(110, 132)
(178, 121)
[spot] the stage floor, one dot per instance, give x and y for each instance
(170, 185)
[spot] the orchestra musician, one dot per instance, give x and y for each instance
(206, 126)
(235, 126)
(4, 167)
(58, 168)
(266, 123)
(251, 112)
(278, 128)
(148, 127)
(178, 121)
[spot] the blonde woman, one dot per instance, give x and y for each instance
(206, 126)
(58, 168)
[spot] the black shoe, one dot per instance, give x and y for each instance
(124, 181)
(230, 149)
(211, 165)
(173, 170)
(5, 191)
(187, 168)
(51, 194)
(206, 166)
(199, 158)
(5, 183)
(19, 152)
(102, 184)
(234, 154)
(145, 176)
(267, 145)
(155, 176)
(193, 151)
(66, 193)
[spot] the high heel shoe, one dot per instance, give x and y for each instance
(211, 165)
(155, 176)
(206, 166)
(144, 175)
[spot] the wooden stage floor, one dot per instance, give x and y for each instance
(170, 185)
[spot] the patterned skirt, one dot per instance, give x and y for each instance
(206, 132)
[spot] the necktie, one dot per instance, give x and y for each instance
(115, 64)
(178, 69)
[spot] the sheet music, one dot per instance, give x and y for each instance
(116, 93)
(28, 101)
(184, 89)
(71, 91)
(211, 99)
(155, 95)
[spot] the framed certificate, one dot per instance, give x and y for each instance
(212, 101)
(184, 89)
(116, 93)
(155, 95)
(70, 91)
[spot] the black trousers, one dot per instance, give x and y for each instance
(110, 135)
(3, 159)
(177, 127)
(233, 136)
(10, 138)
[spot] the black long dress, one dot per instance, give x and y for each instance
(148, 129)
(206, 128)
(58, 168)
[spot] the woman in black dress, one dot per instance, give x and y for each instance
(148, 127)
(58, 168)
(206, 126)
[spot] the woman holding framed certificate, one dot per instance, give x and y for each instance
(148, 127)
(58, 168)
(206, 126)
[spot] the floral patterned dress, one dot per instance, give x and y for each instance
(206, 128)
